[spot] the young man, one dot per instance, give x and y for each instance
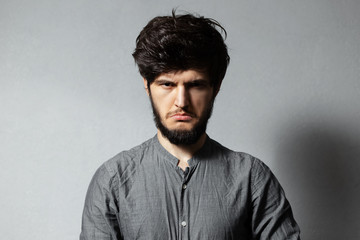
(181, 184)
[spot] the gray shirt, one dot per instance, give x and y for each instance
(143, 194)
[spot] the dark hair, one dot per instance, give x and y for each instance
(182, 42)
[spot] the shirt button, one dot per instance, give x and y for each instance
(184, 186)
(183, 223)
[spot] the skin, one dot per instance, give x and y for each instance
(181, 98)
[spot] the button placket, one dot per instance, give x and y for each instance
(183, 216)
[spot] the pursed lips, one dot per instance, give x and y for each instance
(181, 116)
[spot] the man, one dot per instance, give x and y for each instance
(181, 184)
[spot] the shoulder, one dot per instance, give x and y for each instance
(239, 163)
(125, 163)
(236, 158)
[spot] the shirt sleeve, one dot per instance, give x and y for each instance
(272, 217)
(99, 220)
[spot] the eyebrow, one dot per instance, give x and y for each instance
(159, 81)
(204, 81)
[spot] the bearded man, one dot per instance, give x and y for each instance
(181, 184)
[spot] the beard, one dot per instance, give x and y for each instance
(183, 137)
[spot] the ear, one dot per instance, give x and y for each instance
(146, 86)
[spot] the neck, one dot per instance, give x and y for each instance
(181, 152)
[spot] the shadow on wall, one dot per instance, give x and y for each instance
(322, 163)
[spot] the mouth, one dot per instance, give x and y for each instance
(181, 116)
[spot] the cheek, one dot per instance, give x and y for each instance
(202, 100)
(163, 104)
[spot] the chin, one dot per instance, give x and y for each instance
(181, 128)
(181, 125)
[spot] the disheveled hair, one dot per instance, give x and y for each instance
(182, 42)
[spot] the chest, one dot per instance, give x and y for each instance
(172, 205)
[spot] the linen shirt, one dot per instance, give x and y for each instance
(142, 194)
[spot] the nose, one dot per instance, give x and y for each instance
(182, 97)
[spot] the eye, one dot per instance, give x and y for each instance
(167, 84)
(197, 84)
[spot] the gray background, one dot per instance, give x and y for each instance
(71, 98)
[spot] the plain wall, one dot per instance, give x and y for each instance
(71, 98)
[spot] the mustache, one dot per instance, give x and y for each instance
(180, 111)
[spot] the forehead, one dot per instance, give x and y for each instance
(184, 75)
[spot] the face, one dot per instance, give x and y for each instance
(182, 103)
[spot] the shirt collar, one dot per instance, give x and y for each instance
(200, 154)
